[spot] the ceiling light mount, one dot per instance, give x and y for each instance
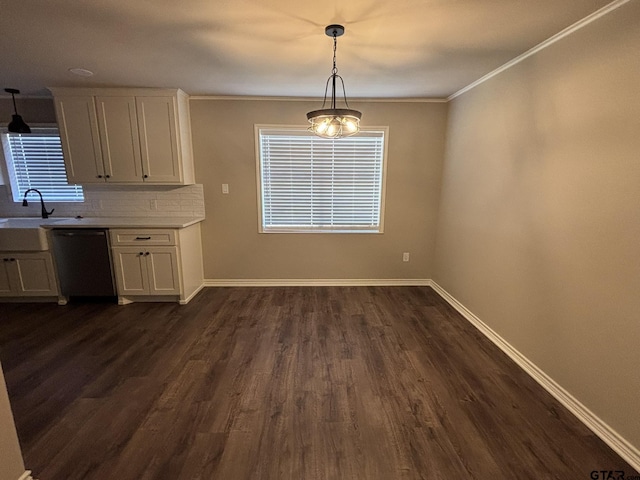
(331, 30)
(17, 124)
(334, 122)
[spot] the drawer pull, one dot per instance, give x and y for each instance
(143, 238)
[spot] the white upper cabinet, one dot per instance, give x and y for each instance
(118, 126)
(78, 124)
(125, 135)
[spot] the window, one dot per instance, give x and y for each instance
(35, 160)
(313, 184)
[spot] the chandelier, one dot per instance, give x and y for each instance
(334, 122)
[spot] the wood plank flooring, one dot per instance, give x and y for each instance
(303, 383)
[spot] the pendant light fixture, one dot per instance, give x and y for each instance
(334, 122)
(16, 125)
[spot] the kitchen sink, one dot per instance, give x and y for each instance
(24, 234)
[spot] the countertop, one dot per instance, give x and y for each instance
(118, 222)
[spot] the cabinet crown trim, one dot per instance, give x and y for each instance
(116, 92)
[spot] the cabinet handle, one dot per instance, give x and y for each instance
(98, 176)
(107, 176)
(79, 234)
(143, 238)
(5, 259)
(147, 253)
(145, 176)
(141, 254)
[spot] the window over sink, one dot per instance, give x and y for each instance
(34, 160)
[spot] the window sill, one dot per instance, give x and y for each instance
(319, 230)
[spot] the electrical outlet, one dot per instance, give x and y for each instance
(225, 188)
(405, 257)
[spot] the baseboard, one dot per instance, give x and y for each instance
(318, 282)
(193, 294)
(608, 435)
(26, 476)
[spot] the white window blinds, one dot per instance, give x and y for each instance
(311, 184)
(35, 160)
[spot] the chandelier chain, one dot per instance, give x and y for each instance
(334, 71)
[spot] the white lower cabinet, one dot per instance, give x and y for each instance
(27, 275)
(148, 271)
(149, 264)
(157, 264)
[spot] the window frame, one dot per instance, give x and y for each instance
(7, 172)
(309, 229)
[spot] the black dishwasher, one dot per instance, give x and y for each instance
(83, 262)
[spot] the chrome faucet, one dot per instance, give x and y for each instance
(45, 214)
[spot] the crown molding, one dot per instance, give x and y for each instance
(316, 99)
(541, 46)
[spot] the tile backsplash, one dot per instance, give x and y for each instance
(116, 201)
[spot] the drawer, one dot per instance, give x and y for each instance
(138, 236)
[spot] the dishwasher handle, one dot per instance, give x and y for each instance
(79, 234)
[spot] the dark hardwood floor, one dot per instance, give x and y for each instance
(299, 383)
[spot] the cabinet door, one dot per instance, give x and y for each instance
(35, 275)
(162, 268)
(78, 124)
(158, 139)
(5, 280)
(119, 139)
(130, 271)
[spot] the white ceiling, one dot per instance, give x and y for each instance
(391, 48)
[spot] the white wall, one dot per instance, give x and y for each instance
(11, 464)
(224, 152)
(539, 224)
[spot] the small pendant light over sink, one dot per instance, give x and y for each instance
(16, 125)
(334, 122)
